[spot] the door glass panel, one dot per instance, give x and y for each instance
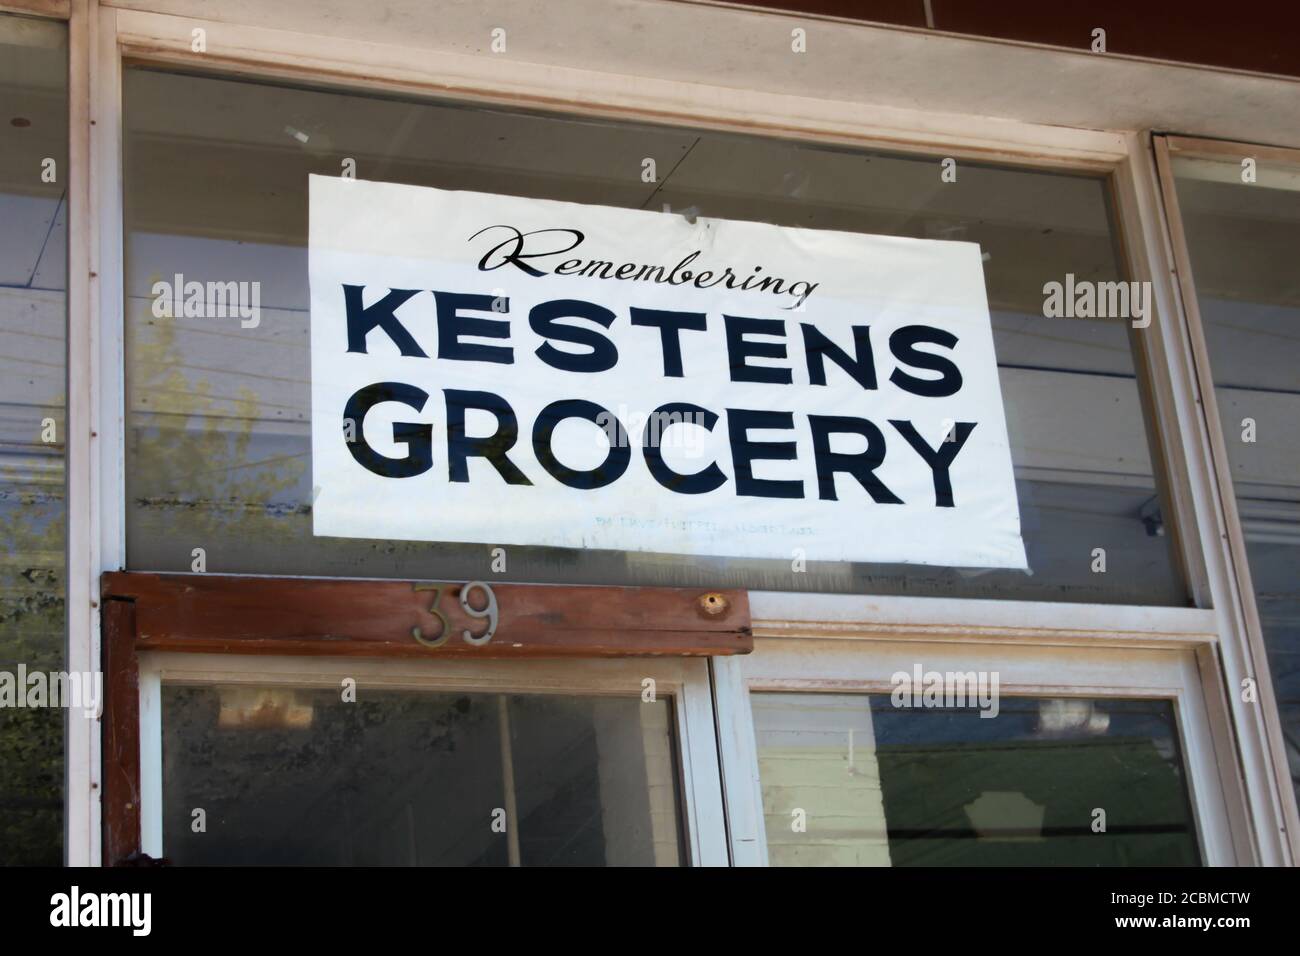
(853, 780)
(285, 776)
(1244, 240)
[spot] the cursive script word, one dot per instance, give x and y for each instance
(517, 251)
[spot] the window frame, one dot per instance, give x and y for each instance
(686, 680)
(1254, 654)
(102, 38)
(1167, 670)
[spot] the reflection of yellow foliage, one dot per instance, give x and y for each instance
(198, 469)
(32, 572)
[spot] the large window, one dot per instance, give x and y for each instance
(217, 438)
(33, 390)
(1241, 221)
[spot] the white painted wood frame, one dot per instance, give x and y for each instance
(818, 665)
(1248, 657)
(685, 680)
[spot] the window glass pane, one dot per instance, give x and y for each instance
(296, 776)
(218, 415)
(1244, 239)
(33, 321)
(853, 780)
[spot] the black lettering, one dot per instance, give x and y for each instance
(493, 447)
(739, 349)
(744, 452)
(939, 459)
(515, 255)
(603, 354)
(819, 348)
(362, 319)
(903, 345)
(418, 438)
(672, 414)
(610, 470)
(670, 325)
(452, 325)
(861, 465)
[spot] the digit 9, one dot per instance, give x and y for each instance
(490, 613)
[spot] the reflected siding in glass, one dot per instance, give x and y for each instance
(1244, 239)
(218, 415)
(33, 396)
(852, 780)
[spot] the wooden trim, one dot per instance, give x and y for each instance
(803, 665)
(962, 620)
(51, 9)
(1196, 508)
(82, 824)
(342, 619)
(1219, 724)
(121, 733)
(1152, 346)
(262, 53)
(685, 680)
(981, 634)
(253, 615)
(1193, 146)
(738, 762)
(1245, 655)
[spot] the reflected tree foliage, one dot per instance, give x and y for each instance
(32, 616)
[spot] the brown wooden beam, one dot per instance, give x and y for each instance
(254, 615)
(120, 802)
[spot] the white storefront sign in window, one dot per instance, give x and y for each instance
(542, 373)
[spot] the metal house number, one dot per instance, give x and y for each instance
(490, 614)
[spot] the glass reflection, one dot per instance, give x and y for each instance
(218, 415)
(33, 320)
(856, 780)
(1242, 238)
(256, 775)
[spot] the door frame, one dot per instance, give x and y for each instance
(201, 628)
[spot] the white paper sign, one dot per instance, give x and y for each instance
(518, 371)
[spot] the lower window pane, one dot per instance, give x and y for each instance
(297, 776)
(853, 780)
